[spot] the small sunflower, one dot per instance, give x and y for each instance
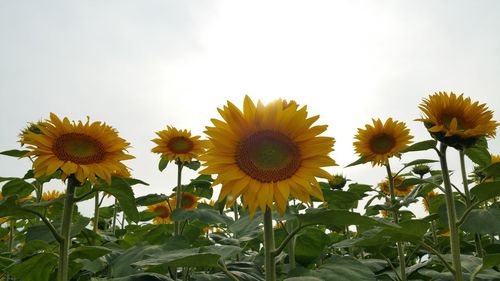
(430, 196)
(398, 189)
(266, 153)
(495, 158)
(162, 211)
(381, 141)
(456, 120)
(85, 150)
(188, 202)
(51, 195)
(178, 145)
(337, 182)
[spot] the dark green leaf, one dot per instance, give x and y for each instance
(479, 155)
(147, 276)
(492, 170)
(88, 252)
(193, 165)
(360, 161)
(483, 221)
(339, 218)
(181, 258)
(150, 199)
(122, 191)
(309, 245)
(15, 153)
(17, 187)
(163, 164)
(339, 199)
(37, 268)
(420, 161)
(420, 146)
(486, 190)
(205, 215)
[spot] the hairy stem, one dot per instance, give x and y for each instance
(65, 229)
(270, 262)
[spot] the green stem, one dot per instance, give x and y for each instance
(178, 198)
(401, 253)
(96, 211)
(65, 229)
(291, 245)
(452, 215)
(114, 216)
(440, 257)
(270, 263)
(468, 201)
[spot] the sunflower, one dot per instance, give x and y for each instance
(189, 201)
(51, 195)
(178, 145)
(85, 150)
(382, 140)
(427, 201)
(456, 120)
(163, 210)
(266, 153)
(495, 158)
(398, 189)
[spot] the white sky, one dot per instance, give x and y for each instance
(142, 65)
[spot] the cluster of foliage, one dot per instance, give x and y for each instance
(324, 238)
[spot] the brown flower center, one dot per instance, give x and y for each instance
(381, 144)
(180, 145)
(79, 148)
(162, 211)
(268, 156)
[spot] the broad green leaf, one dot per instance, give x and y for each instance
(122, 191)
(34, 247)
(339, 218)
(5, 262)
(488, 262)
(411, 181)
(246, 228)
(150, 199)
(492, 170)
(421, 146)
(209, 216)
(309, 245)
(339, 199)
(37, 268)
(146, 276)
(479, 155)
(180, 258)
(17, 187)
(336, 268)
(486, 190)
(88, 252)
(359, 189)
(42, 232)
(14, 153)
(360, 161)
(9, 207)
(483, 221)
(420, 161)
(163, 164)
(193, 165)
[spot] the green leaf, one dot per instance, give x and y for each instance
(420, 161)
(88, 252)
(37, 268)
(479, 155)
(193, 165)
(336, 268)
(309, 245)
(483, 221)
(163, 164)
(42, 232)
(339, 218)
(180, 258)
(420, 146)
(411, 181)
(246, 228)
(17, 187)
(339, 199)
(150, 199)
(9, 207)
(486, 190)
(15, 153)
(122, 191)
(209, 216)
(492, 170)
(488, 262)
(360, 161)
(146, 276)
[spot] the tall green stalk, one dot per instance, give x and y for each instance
(452, 214)
(468, 201)
(114, 216)
(96, 212)
(178, 198)
(270, 262)
(69, 201)
(399, 245)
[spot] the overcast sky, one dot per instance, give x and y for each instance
(142, 65)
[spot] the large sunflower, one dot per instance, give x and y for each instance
(266, 153)
(178, 145)
(85, 150)
(382, 140)
(162, 211)
(456, 120)
(189, 201)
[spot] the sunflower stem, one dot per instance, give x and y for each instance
(114, 216)
(452, 215)
(96, 211)
(270, 263)
(178, 198)
(65, 229)
(468, 201)
(401, 253)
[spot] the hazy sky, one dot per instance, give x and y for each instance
(142, 65)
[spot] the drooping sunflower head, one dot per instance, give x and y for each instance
(380, 141)
(162, 211)
(51, 195)
(188, 202)
(86, 150)
(455, 120)
(178, 145)
(266, 153)
(399, 189)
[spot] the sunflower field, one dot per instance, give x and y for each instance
(262, 205)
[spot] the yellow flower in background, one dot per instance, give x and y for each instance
(86, 150)
(380, 141)
(495, 159)
(162, 211)
(430, 196)
(456, 120)
(51, 195)
(266, 153)
(189, 201)
(398, 189)
(174, 145)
